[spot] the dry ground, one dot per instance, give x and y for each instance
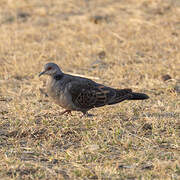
(121, 43)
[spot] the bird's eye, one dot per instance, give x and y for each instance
(49, 68)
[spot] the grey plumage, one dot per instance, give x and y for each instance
(75, 93)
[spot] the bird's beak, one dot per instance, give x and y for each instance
(41, 73)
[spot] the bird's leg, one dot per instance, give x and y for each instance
(85, 114)
(66, 111)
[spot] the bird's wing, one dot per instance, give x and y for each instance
(87, 95)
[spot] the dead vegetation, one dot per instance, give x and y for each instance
(124, 44)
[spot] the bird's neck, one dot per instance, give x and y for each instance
(58, 76)
(52, 81)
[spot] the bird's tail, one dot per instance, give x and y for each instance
(127, 94)
(138, 96)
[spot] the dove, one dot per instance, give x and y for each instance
(75, 93)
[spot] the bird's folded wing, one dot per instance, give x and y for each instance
(87, 95)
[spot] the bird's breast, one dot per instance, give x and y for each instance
(59, 93)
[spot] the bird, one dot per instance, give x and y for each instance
(75, 93)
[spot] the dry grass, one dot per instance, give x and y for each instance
(130, 43)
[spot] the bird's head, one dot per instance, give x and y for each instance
(51, 69)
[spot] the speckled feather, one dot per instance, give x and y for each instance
(75, 93)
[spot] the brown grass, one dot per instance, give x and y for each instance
(124, 44)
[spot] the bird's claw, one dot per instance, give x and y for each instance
(66, 111)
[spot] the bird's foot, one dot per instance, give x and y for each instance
(87, 115)
(66, 111)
